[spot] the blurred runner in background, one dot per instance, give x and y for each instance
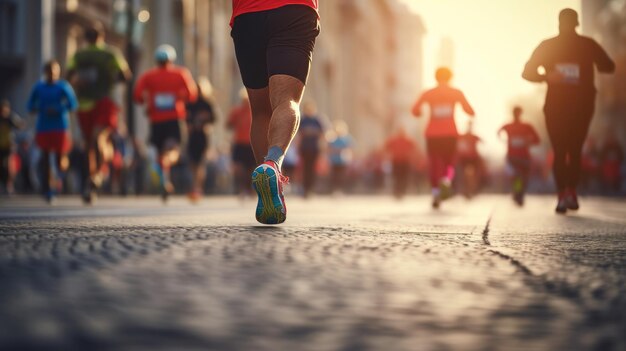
(93, 72)
(340, 146)
(240, 121)
(9, 121)
(52, 99)
(402, 150)
(441, 133)
(166, 90)
(311, 134)
(521, 136)
(469, 161)
(201, 115)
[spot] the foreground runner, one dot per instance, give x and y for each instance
(93, 72)
(166, 89)
(568, 60)
(52, 99)
(521, 136)
(441, 133)
(274, 43)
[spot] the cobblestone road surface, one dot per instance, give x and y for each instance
(357, 273)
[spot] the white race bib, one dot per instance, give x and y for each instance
(569, 71)
(164, 101)
(518, 142)
(443, 111)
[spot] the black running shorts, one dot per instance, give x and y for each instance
(164, 135)
(278, 41)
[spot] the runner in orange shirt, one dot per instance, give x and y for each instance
(441, 133)
(166, 89)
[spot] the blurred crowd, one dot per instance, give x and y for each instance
(181, 156)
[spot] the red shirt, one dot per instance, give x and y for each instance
(166, 90)
(240, 121)
(521, 137)
(401, 148)
(442, 101)
(468, 146)
(246, 6)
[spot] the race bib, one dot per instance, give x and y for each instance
(443, 111)
(88, 75)
(518, 142)
(569, 71)
(164, 101)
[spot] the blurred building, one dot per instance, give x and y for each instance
(367, 66)
(605, 21)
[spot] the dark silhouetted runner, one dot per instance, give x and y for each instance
(568, 60)
(274, 41)
(441, 133)
(521, 136)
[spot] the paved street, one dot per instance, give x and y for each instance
(351, 273)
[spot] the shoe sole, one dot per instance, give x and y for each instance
(269, 209)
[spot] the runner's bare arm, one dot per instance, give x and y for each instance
(531, 70)
(602, 60)
(465, 104)
(190, 86)
(534, 137)
(417, 108)
(139, 90)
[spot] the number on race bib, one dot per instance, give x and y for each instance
(570, 72)
(442, 111)
(164, 101)
(518, 142)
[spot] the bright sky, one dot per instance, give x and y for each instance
(492, 39)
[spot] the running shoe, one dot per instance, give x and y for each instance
(90, 193)
(572, 200)
(50, 197)
(268, 182)
(561, 206)
(445, 188)
(436, 202)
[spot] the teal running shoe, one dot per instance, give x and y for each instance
(268, 182)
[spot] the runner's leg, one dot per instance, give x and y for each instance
(261, 117)
(559, 140)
